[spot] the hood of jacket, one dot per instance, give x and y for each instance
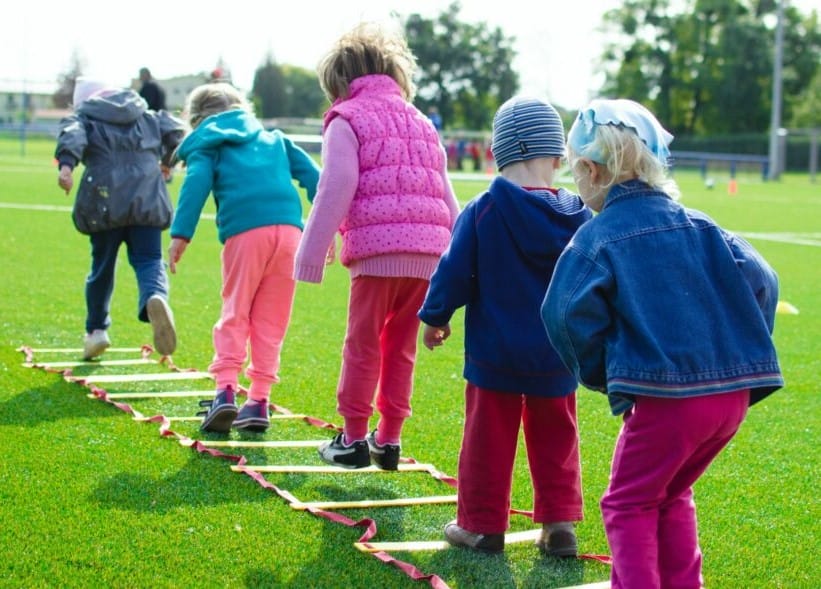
(120, 108)
(232, 126)
(540, 224)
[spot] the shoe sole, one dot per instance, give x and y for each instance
(252, 424)
(162, 323)
(97, 350)
(220, 420)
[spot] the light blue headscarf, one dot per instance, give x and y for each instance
(621, 113)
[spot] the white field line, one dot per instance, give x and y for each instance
(811, 239)
(61, 208)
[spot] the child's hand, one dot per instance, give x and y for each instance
(433, 337)
(65, 180)
(330, 256)
(175, 251)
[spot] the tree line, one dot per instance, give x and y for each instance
(705, 67)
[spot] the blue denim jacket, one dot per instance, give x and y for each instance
(651, 298)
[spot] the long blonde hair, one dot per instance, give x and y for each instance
(367, 49)
(213, 98)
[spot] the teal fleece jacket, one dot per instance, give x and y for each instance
(250, 172)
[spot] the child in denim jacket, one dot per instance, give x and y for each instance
(671, 317)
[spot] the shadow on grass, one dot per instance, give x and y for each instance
(185, 488)
(39, 405)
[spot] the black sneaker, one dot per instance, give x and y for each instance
(221, 413)
(337, 453)
(253, 417)
(385, 456)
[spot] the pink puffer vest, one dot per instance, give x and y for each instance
(399, 204)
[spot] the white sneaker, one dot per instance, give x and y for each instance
(95, 343)
(162, 322)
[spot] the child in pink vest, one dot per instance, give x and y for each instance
(384, 188)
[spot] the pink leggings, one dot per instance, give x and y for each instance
(257, 297)
(649, 514)
(489, 443)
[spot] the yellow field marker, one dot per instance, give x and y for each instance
(142, 377)
(786, 308)
(512, 538)
(402, 502)
(254, 443)
(329, 469)
(602, 585)
(132, 362)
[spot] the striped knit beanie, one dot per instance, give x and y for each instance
(525, 128)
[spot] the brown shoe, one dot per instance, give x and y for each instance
(559, 542)
(491, 543)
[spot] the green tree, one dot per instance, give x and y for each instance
(305, 96)
(465, 70)
(706, 66)
(268, 91)
(66, 80)
(286, 91)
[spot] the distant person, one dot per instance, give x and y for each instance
(671, 317)
(250, 173)
(122, 198)
(388, 194)
(497, 266)
(151, 90)
(435, 118)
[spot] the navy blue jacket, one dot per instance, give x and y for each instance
(498, 265)
(651, 298)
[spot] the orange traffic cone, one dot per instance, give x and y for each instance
(732, 187)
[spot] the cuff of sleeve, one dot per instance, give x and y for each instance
(309, 273)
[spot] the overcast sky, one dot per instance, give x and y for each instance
(556, 41)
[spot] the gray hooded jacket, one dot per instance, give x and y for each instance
(121, 143)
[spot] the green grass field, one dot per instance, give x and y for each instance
(90, 497)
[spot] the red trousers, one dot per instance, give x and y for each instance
(649, 514)
(489, 444)
(379, 355)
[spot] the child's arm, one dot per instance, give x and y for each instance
(175, 252)
(71, 144)
(759, 274)
(335, 192)
(303, 168)
(576, 316)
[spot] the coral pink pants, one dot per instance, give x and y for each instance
(379, 351)
(649, 514)
(489, 443)
(257, 297)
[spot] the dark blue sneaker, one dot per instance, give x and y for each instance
(253, 416)
(337, 453)
(221, 413)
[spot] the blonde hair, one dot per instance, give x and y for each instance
(364, 50)
(213, 98)
(627, 157)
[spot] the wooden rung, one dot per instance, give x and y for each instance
(602, 585)
(142, 377)
(402, 502)
(186, 417)
(135, 361)
(79, 350)
(159, 395)
(254, 443)
(329, 469)
(512, 538)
